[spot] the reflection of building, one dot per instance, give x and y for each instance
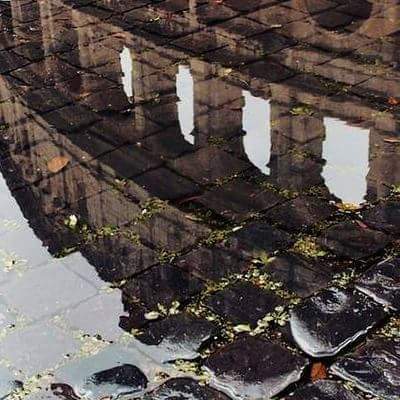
(64, 96)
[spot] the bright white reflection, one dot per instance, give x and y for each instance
(127, 69)
(346, 150)
(184, 88)
(257, 124)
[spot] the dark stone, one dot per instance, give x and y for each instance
(269, 71)
(176, 337)
(298, 275)
(301, 212)
(199, 42)
(374, 368)
(382, 283)
(166, 185)
(385, 216)
(328, 322)
(117, 258)
(240, 28)
(212, 263)
(238, 199)
(123, 375)
(349, 239)
(208, 15)
(243, 303)
(162, 285)
(10, 61)
(45, 99)
(209, 164)
(126, 161)
(47, 72)
(71, 118)
(184, 388)
(169, 143)
(259, 238)
(170, 229)
(254, 368)
(323, 390)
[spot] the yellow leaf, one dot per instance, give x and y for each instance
(56, 164)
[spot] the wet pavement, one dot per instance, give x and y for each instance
(200, 199)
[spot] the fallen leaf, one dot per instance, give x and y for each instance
(56, 164)
(318, 372)
(393, 101)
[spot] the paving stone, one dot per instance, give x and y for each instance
(254, 368)
(111, 373)
(45, 99)
(374, 368)
(7, 383)
(36, 348)
(45, 73)
(162, 285)
(349, 239)
(323, 390)
(382, 283)
(243, 303)
(126, 161)
(118, 258)
(331, 320)
(258, 239)
(166, 185)
(51, 287)
(300, 212)
(212, 263)
(11, 61)
(208, 165)
(385, 216)
(300, 276)
(170, 230)
(184, 388)
(239, 200)
(88, 316)
(176, 337)
(169, 143)
(71, 118)
(125, 378)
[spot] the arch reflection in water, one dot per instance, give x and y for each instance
(184, 89)
(346, 151)
(257, 124)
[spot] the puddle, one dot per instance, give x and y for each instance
(346, 151)
(184, 90)
(139, 217)
(257, 124)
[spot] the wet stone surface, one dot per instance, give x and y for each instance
(248, 368)
(354, 241)
(187, 188)
(243, 303)
(384, 216)
(373, 367)
(176, 337)
(184, 388)
(382, 283)
(8, 384)
(333, 319)
(323, 390)
(299, 275)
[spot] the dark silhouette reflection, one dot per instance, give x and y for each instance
(105, 158)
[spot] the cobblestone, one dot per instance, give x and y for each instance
(198, 199)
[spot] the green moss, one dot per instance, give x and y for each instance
(308, 247)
